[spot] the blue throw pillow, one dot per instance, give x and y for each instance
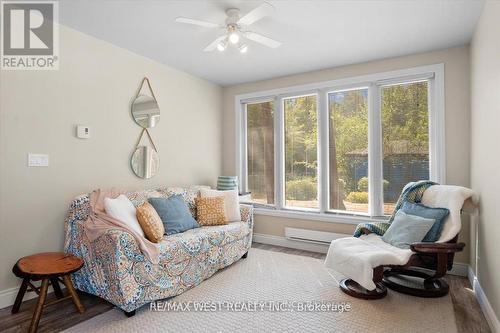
(174, 214)
(406, 229)
(438, 214)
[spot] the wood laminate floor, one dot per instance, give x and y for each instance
(63, 315)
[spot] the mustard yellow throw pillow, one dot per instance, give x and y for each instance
(210, 211)
(150, 222)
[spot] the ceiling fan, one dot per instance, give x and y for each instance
(235, 29)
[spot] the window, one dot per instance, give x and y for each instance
(260, 151)
(342, 148)
(405, 138)
(348, 150)
(301, 154)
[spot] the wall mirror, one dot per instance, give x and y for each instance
(145, 109)
(145, 162)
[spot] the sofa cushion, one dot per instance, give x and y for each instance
(231, 202)
(174, 214)
(122, 209)
(188, 194)
(182, 246)
(210, 211)
(150, 222)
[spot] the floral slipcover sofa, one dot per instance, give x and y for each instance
(115, 269)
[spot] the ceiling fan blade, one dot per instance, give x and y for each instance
(256, 14)
(196, 22)
(210, 47)
(269, 42)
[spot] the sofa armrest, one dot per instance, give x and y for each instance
(246, 212)
(109, 265)
(437, 248)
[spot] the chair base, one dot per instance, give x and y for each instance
(432, 286)
(352, 288)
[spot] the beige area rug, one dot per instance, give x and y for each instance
(284, 290)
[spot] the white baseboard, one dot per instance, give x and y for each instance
(488, 312)
(8, 296)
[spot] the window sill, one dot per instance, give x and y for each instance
(316, 216)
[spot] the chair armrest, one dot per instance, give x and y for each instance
(437, 248)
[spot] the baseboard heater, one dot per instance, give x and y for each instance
(312, 236)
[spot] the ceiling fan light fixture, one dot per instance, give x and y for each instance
(234, 37)
(243, 48)
(233, 29)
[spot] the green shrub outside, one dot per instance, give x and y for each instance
(301, 189)
(357, 197)
(363, 184)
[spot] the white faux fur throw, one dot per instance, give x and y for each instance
(453, 198)
(357, 257)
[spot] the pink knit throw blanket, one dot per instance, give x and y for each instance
(98, 223)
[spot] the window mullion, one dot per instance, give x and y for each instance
(243, 149)
(323, 122)
(436, 132)
(375, 169)
(279, 149)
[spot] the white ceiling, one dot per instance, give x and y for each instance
(315, 34)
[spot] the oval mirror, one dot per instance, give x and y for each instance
(145, 111)
(145, 162)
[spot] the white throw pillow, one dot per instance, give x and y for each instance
(231, 202)
(123, 210)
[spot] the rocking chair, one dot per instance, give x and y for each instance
(417, 271)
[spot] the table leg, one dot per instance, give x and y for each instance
(39, 306)
(72, 292)
(57, 288)
(20, 295)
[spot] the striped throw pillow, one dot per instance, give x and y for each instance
(225, 183)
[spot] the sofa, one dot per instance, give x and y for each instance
(116, 270)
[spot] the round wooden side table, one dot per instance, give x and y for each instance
(50, 267)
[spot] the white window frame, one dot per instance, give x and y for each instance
(434, 74)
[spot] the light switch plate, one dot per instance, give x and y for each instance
(38, 160)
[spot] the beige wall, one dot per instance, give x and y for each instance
(457, 115)
(94, 86)
(485, 136)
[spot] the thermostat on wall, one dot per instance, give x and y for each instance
(82, 132)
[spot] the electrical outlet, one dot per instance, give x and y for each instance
(38, 160)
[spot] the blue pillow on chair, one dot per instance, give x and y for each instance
(174, 214)
(438, 214)
(407, 229)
